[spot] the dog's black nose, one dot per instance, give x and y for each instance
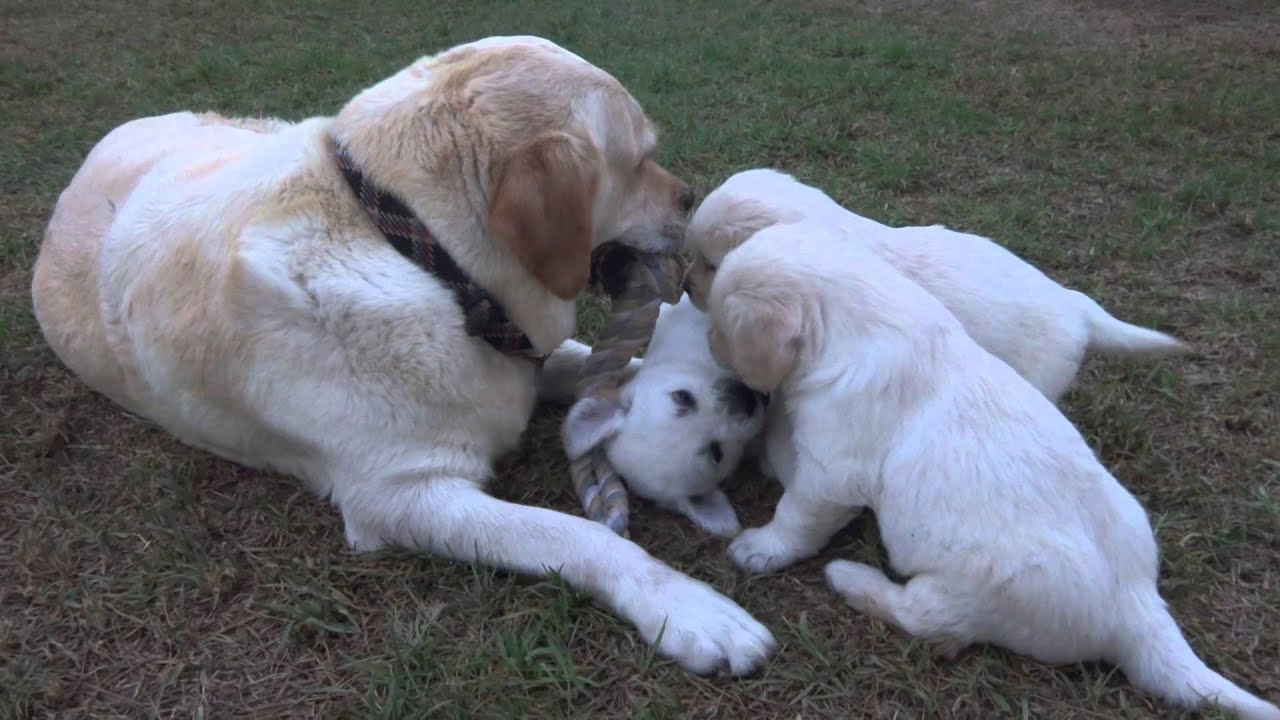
(687, 199)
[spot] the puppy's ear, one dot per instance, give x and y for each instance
(542, 211)
(762, 337)
(591, 421)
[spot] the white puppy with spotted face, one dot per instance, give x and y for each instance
(679, 427)
(1010, 308)
(988, 500)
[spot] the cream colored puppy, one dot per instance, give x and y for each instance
(231, 281)
(988, 500)
(1010, 308)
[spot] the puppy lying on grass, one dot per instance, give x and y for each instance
(679, 427)
(1011, 309)
(989, 501)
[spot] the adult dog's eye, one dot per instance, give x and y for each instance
(716, 453)
(684, 399)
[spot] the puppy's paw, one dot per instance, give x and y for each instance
(713, 513)
(763, 550)
(861, 586)
(704, 631)
(362, 539)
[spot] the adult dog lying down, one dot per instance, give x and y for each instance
(250, 286)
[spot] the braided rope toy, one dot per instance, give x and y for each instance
(637, 284)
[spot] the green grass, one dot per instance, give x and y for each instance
(1130, 153)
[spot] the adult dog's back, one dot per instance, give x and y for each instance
(66, 275)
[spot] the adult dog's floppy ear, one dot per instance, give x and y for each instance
(542, 211)
(591, 421)
(760, 333)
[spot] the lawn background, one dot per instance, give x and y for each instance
(1131, 150)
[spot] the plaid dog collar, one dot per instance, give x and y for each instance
(485, 317)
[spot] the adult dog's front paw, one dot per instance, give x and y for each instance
(763, 550)
(701, 629)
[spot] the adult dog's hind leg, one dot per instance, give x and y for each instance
(692, 623)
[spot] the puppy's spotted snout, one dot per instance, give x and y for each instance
(738, 399)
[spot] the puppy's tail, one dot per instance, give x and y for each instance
(1156, 657)
(1116, 337)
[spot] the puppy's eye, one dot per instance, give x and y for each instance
(684, 399)
(717, 454)
(710, 266)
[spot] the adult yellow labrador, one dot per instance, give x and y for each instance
(360, 301)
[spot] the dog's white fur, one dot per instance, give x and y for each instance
(679, 427)
(987, 498)
(218, 277)
(1010, 308)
